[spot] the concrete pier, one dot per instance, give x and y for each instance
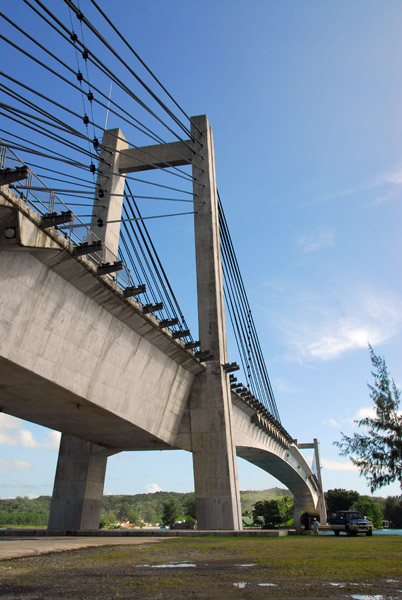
(78, 487)
(214, 451)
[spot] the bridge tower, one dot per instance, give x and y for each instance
(81, 466)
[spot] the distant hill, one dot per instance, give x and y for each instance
(249, 497)
(35, 512)
(149, 506)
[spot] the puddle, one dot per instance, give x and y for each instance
(365, 597)
(241, 585)
(174, 565)
(342, 585)
(250, 565)
(267, 584)
(169, 566)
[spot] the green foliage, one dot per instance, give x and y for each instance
(22, 511)
(378, 452)
(269, 511)
(393, 511)
(170, 512)
(189, 508)
(149, 515)
(368, 509)
(147, 507)
(340, 499)
(274, 512)
(286, 505)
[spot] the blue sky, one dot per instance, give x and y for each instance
(304, 98)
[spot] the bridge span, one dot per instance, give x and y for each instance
(80, 355)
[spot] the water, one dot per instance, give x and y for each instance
(174, 565)
(364, 597)
(375, 532)
(169, 565)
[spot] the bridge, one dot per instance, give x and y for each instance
(81, 353)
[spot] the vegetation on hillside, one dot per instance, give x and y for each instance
(273, 506)
(148, 508)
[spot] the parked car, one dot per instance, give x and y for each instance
(349, 521)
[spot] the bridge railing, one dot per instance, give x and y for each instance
(43, 200)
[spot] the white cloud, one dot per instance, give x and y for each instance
(388, 186)
(333, 423)
(325, 327)
(394, 177)
(13, 434)
(311, 243)
(335, 465)
(151, 488)
(14, 465)
(364, 412)
(9, 422)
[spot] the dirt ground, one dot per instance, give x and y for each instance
(210, 569)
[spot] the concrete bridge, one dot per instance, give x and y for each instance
(78, 355)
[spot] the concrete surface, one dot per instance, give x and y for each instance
(16, 543)
(11, 547)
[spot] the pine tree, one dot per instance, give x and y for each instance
(378, 452)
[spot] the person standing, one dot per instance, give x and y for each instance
(315, 527)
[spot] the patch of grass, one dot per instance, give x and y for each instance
(297, 565)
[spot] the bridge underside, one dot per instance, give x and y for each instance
(281, 470)
(28, 396)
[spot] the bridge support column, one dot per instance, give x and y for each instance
(213, 447)
(78, 485)
(296, 516)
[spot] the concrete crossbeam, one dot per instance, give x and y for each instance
(159, 156)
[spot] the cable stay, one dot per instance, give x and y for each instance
(239, 310)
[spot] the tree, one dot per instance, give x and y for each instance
(378, 453)
(269, 510)
(393, 511)
(132, 516)
(170, 512)
(340, 499)
(150, 515)
(286, 505)
(368, 509)
(189, 507)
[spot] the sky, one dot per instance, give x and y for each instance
(304, 98)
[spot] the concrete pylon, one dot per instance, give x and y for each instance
(322, 507)
(108, 201)
(214, 451)
(78, 487)
(81, 468)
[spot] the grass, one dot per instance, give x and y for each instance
(301, 566)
